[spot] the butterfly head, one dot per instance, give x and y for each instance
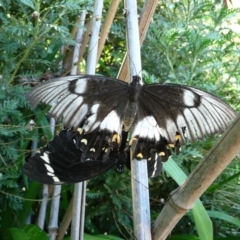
(135, 87)
(136, 79)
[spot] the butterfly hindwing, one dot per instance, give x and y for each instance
(151, 144)
(60, 162)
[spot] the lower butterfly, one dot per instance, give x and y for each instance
(104, 117)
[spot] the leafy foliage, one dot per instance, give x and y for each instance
(32, 34)
(189, 42)
(195, 44)
(13, 130)
(110, 204)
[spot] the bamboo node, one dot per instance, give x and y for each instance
(177, 208)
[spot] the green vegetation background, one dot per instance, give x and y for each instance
(194, 43)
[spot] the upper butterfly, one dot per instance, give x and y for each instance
(100, 110)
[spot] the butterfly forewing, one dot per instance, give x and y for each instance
(181, 106)
(81, 98)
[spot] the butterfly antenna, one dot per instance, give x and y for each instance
(135, 70)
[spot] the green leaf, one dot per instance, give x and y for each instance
(227, 238)
(202, 221)
(29, 3)
(225, 217)
(183, 237)
(29, 232)
(34, 232)
(100, 236)
(29, 196)
(15, 234)
(215, 187)
(46, 128)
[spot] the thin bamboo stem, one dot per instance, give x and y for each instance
(77, 229)
(80, 188)
(86, 38)
(144, 22)
(79, 37)
(77, 196)
(93, 45)
(106, 26)
(43, 207)
(53, 222)
(140, 194)
(66, 221)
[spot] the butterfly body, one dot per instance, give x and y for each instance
(101, 113)
(132, 105)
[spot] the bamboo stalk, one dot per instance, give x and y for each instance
(80, 188)
(86, 38)
(93, 45)
(140, 194)
(66, 221)
(68, 51)
(106, 26)
(183, 199)
(77, 197)
(53, 221)
(79, 38)
(43, 207)
(82, 208)
(144, 22)
(77, 229)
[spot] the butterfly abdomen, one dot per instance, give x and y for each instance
(132, 106)
(129, 115)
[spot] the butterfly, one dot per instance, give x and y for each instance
(104, 117)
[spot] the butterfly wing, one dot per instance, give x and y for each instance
(176, 107)
(81, 98)
(60, 162)
(90, 102)
(168, 115)
(150, 142)
(92, 105)
(97, 105)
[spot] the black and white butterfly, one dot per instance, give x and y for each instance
(105, 116)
